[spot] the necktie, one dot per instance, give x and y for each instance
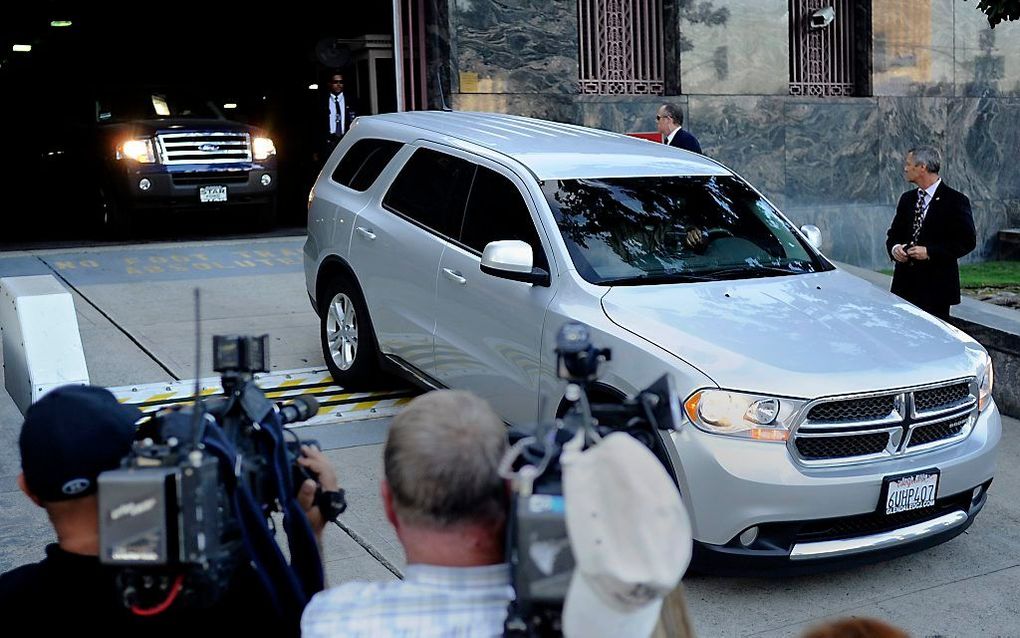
(918, 215)
(338, 126)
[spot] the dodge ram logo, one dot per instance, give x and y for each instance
(209, 148)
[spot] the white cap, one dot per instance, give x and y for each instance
(630, 535)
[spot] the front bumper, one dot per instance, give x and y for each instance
(808, 517)
(179, 188)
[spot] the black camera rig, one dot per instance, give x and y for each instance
(538, 548)
(192, 501)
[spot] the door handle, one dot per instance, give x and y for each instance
(366, 233)
(453, 275)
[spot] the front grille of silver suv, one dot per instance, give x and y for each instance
(860, 428)
(207, 147)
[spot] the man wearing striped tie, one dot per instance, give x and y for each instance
(932, 229)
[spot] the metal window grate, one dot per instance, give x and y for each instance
(822, 57)
(620, 47)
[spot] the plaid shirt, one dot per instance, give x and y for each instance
(431, 602)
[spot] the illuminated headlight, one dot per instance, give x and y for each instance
(266, 179)
(263, 147)
(137, 150)
(750, 416)
(986, 378)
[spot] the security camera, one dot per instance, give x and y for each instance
(822, 18)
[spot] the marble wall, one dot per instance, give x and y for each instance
(734, 47)
(519, 47)
(942, 47)
(940, 77)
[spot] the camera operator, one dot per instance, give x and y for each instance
(443, 494)
(69, 437)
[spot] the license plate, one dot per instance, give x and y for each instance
(911, 491)
(212, 194)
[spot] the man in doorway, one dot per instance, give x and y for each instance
(341, 110)
(932, 229)
(669, 121)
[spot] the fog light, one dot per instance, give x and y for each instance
(144, 184)
(267, 179)
(748, 536)
(978, 493)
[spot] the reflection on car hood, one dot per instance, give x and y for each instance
(802, 336)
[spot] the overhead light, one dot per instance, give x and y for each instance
(311, 87)
(230, 105)
(25, 48)
(60, 23)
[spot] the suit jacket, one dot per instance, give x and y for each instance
(947, 232)
(686, 141)
(350, 112)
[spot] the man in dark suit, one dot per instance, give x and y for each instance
(340, 111)
(932, 229)
(669, 121)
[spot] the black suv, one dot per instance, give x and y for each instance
(150, 152)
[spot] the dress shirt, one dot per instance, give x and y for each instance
(929, 194)
(431, 602)
(333, 119)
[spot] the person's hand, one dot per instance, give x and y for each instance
(899, 254)
(920, 253)
(696, 238)
(315, 461)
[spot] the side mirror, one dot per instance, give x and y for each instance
(512, 259)
(812, 234)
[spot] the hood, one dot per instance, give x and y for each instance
(800, 336)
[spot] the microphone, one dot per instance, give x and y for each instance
(301, 408)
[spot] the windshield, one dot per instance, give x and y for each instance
(634, 230)
(150, 106)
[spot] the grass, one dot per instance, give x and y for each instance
(990, 274)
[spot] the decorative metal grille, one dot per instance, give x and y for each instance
(621, 47)
(821, 57)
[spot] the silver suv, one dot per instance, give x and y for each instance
(825, 420)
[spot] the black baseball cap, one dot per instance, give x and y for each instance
(70, 436)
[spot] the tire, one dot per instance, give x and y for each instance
(348, 341)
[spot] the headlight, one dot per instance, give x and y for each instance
(985, 381)
(137, 150)
(263, 147)
(750, 416)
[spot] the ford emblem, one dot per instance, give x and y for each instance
(209, 148)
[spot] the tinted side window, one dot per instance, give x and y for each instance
(496, 210)
(363, 162)
(431, 189)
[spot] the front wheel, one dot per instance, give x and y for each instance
(348, 341)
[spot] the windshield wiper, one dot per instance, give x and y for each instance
(656, 278)
(761, 269)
